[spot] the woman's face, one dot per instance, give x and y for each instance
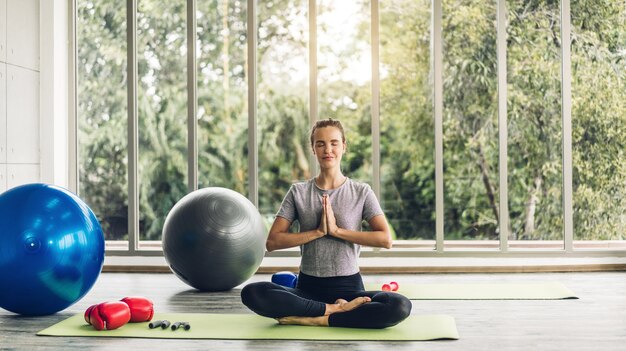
(328, 147)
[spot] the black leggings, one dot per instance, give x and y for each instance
(311, 295)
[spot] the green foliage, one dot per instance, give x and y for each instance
(102, 111)
(470, 115)
(599, 119)
(407, 126)
(534, 120)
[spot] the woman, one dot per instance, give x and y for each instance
(330, 209)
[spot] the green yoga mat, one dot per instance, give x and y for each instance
(251, 326)
(483, 291)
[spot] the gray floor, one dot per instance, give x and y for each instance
(596, 321)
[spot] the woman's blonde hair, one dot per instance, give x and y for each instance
(328, 123)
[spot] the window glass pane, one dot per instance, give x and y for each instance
(102, 113)
(535, 161)
(162, 107)
(406, 119)
(344, 78)
(283, 100)
(599, 122)
(471, 187)
(222, 95)
(470, 120)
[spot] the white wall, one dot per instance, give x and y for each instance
(33, 92)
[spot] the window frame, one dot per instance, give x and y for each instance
(401, 248)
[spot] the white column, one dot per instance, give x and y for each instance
(503, 127)
(54, 92)
(437, 67)
(566, 110)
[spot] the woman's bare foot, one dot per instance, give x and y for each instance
(342, 305)
(321, 321)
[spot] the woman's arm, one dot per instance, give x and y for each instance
(379, 236)
(281, 238)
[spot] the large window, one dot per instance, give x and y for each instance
(470, 120)
(482, 163)
(534, 122)
(283, 100)
(344, 76)
(102, 113)
(599, 121)
(222, 95)
(406, 120)
(162, 110)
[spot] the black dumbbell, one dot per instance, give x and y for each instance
(184, 325)
(155, 324)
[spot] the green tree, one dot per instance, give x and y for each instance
(407, 138)
(102, 111)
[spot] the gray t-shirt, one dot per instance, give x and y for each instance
(352, 202)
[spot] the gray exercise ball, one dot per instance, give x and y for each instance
(214, 239)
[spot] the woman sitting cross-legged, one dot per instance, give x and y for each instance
(329, 209)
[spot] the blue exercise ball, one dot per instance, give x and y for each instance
(51, 249)
(214, 239)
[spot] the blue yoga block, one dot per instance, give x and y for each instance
(288, 279)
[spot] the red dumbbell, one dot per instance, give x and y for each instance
(391, 286)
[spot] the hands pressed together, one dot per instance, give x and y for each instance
(328, 223)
